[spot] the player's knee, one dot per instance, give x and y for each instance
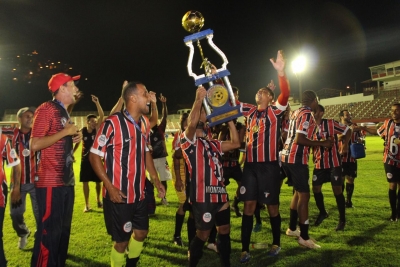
(140, 235)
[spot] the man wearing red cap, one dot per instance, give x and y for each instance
(53, 134)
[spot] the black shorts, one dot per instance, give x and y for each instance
(349, 169)
(87, 173)
(121, 219)
(392, 173)
(234, 172)
(261, 182)
(205, 215)
(333, 175)
(300, 175)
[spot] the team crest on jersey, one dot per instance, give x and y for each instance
(242, 190)
(85, 138)
(306, 124)
(127, 227)
(207, 217)
(155, 139)
(101, 140)
(336, 177)
(63, 121)
(266, 194)
(314, 177)
(13, 154)
(389, 175)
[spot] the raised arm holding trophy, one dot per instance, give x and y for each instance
(220, 102)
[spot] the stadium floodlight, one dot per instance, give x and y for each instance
(298, 66)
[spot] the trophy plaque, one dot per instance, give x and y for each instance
(220, 104)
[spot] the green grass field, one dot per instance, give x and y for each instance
(368, 240)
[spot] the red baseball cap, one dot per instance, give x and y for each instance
(59, 79)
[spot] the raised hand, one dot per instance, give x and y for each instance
(95, 99)
(201, 93)
(153, 97)
(279, 63)
(162, 98)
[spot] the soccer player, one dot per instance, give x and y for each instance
(20, 142)
(122, 140)
(295, 161)
(53, 135)
(349, 164)
(158, 148)
(390, 132)
(208, 194)
(87, 173)
(230, 160)
(328, 165)
(179, 181)
(261, 178)
(11, 158)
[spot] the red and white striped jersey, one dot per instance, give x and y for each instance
(326, 158)
(20, 141)
(11, 158)
(301, 122)
(355, 137)
(124, 146)
(390, 132)
(263, 132)
(203, 160)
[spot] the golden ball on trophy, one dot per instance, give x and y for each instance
(193, 21)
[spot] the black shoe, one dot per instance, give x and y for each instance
(393, 219)
(178, 241)
(349, 204)
(340, 226)
(321, 218)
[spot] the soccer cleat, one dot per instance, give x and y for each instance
(274, 251)
(349, 204)
(295, 233)
(23, 240)
(100, 205)
(393, 219)
(87, 209)
(340, 226)
(321, 217)
(178, 241)
(244, 257)
(257, 227)
(307, 243)
(212, 246)
(164, 202)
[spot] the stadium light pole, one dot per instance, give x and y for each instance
(298, 66)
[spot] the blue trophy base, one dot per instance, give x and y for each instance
(223, 114)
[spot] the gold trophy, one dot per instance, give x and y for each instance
(219, 96)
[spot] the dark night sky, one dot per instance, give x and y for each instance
(110, 41)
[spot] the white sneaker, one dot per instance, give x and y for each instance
(308, 243)
(295, 233)
(23, 240)
(212, 246)
(164, 202)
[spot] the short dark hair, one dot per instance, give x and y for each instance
(235, 89)
(88, 117)
(321, 108)
(396, 104)
(341, 113)
(129, 89)
(183, 118)
(308, 97)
